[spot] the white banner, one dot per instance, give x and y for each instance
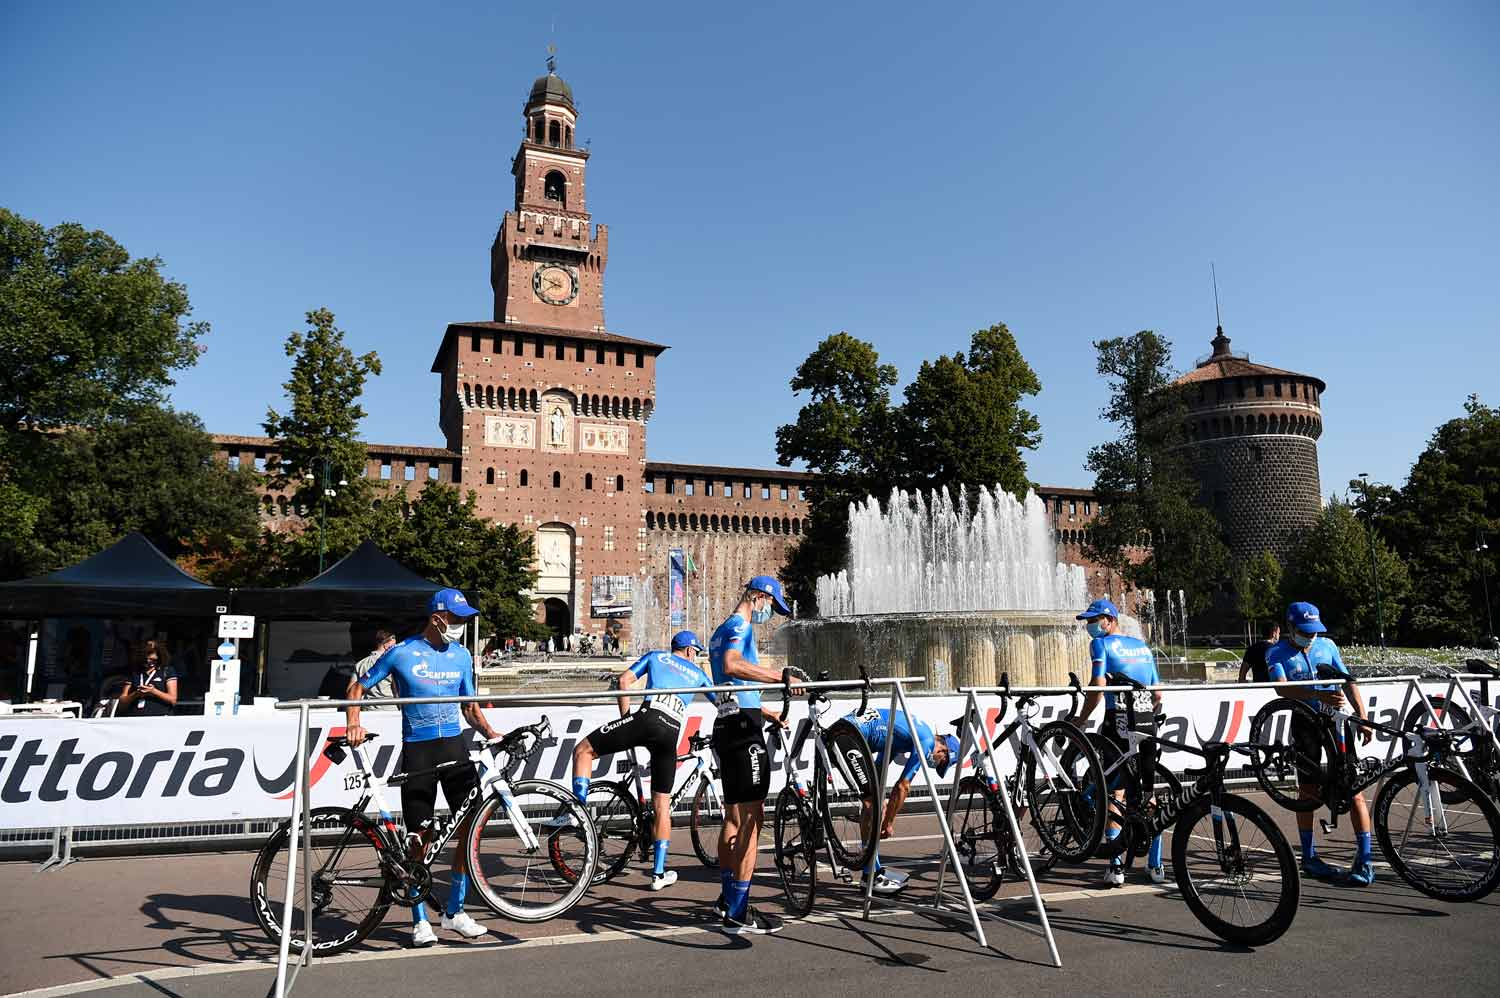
(121, 771)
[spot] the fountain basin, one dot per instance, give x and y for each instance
(952, 648)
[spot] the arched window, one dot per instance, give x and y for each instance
(588, 480)
(523, 476)
(557, 479)
(650, 520)
(535, 401)
(540, 128)
(568, 133)
(554, 133)
(619, 483)
(489, 476)
(714, 522)
(671, 521)
(555, 188)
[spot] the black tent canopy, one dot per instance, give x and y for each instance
(365, 584)
(131, 578)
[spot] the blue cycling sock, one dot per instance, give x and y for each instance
(418, 913)
(581, 789)
(726, 878)
(457, 894)
(1111, 834)
(659, 857)
(1153, 856)
(1361, 847)
(1306, 835)
(739, 898)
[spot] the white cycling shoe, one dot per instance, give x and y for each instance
(1158, 873)
(1114, 876)
(463, 923)
(888, 884)
(422, 935)
(662, 881)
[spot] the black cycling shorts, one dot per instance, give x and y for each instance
(1307, 740)
(419, 793)
(1146, 755)
(744, 763)
(647, 728)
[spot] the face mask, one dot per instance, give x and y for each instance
(760, 616)
(1301, 640)
(1095, 629)
(454, 632)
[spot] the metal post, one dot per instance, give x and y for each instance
(881, 765)
(283, 979)
(1374, 576)
(304, 776)
(33, 638)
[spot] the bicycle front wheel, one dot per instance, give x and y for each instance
(1236, 871)
(1446, 844)
(350, 895)
(796, 854)
(617, 824)
(1293, 749)
(1065, 781)
(982, 841)
(534, 856)
(846, 796)
(707, 822)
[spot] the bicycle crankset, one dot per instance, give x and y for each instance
(416, 886)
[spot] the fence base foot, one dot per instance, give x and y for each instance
(62, 851)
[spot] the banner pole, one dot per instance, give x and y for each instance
(304, 774)
(291, 859)
(878, 820)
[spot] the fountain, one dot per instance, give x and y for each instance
(962, 597)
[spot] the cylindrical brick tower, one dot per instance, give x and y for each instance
(1252, 435)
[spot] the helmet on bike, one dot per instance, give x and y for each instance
(951, 744)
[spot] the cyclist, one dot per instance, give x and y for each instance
(940, 752)
(432, 664)
(655, 726)
(1111, 651)
(740, 744)
(1297, 656)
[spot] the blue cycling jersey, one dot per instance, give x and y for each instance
(1286, 662)
(664, 671)
(872, 724)
(1122, 653)
(734, 634)
(421, 669)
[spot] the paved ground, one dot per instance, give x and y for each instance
(182, 926)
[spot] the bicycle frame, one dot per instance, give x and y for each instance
(814, 730)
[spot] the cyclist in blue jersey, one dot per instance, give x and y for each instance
(433, 664)
(1113, 652)
(1298, 656)
(740, 744)
(655, 726)
(940, 752)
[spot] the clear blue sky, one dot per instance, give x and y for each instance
(775, 172)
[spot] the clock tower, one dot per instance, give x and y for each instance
(546, 265)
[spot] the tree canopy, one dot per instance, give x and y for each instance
(1331, 567)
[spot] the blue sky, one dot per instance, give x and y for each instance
(775, 172)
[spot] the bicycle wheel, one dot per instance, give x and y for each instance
(846, 797)
(350, 892)
(707, 821)
(532, 883)
(617, 825)
(1063, 781)
(1471, 761)
(1130, 813)
(1293, 748)
(983, 844)
(1237, 874)
(1448, 849)
(796, 856)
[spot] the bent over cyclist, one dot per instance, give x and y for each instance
(740, 744)
(1298, 656)
(655, 726)
(873, 726)
(1113, 652)
(432, 664)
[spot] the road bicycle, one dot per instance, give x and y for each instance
(1052, 792)
(624, 815)
(518, 864)
(1233, 866)
(1476, 754)
(1437, 829)
(831, 816)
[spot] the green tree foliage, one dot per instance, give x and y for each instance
(1147, 493)
(87, 334)
(1451, 501)
(1258, 586)
(1331, 567)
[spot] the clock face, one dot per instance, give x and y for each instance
(554, 285)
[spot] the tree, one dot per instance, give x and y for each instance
(1147, 494)
(1330, 566)
(962, 422)
(1257, 586)
(1449, 504)
(87, 334)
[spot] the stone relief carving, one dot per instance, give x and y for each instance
(510, 431)
(603, 439)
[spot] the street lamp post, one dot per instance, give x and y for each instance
(1480, 547)
(328, 492)
(1364, 476)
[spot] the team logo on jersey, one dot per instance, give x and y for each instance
(423, 671)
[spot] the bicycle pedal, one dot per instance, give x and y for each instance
(1328, 826)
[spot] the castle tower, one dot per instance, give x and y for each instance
(1252, 435)
(546, 407)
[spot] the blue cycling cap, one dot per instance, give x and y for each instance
(766, 584)
(451, 600)
(686, 639)
(952, 744)
(1304, 617)
(1099, 608)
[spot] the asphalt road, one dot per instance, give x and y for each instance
(181, 925)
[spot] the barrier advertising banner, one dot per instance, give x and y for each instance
(145, 770)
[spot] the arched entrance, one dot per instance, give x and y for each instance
(558, 617)
(555, 571)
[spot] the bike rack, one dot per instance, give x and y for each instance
(301, 810)
(1455, 684)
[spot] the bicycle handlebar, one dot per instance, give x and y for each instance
(864, 692)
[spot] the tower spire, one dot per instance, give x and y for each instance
(551, 57)
(1220, 341)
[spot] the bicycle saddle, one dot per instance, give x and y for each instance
(1120, 679)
